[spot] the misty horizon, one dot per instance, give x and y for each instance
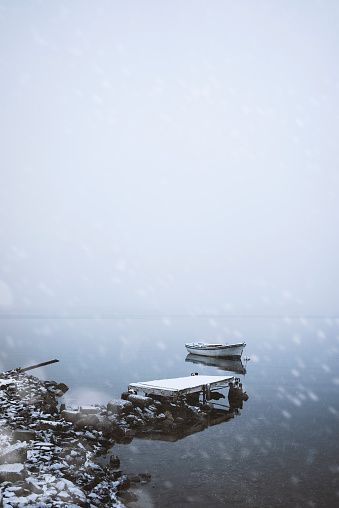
(169, 159)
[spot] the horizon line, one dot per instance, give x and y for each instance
(107, 315)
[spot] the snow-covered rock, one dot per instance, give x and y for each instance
(14, 453)
(119, 406)
(11, 472)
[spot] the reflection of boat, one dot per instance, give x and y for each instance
(229, 364)
(216, 350)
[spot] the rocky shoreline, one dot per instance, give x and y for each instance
(49, 456)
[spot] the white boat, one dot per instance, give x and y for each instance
(218, 350)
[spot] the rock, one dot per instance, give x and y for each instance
(12, 472)
(58, 389)
(106, 426)
(169, 417)
(62, 388)
(139, 400)
(124, 483)
(87, 421)
(149, 416)
(114, 461)
(24, 435)
(135, 479)
(5, 383)
(70, 416)
(14, 453)
(119, 406)
(50, 424)
(89, 410)
(131, 419)
(128, 497)
(145, 477)
(34, 486)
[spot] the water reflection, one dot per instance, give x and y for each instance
(216, 416)
(228, 364)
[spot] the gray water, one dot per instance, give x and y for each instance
(282, 449)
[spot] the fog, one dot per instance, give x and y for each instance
(169, 157)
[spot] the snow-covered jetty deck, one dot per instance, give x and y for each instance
(180, 386)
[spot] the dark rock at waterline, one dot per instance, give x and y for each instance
(24, 435)
(124, 483)
(114, 461)
(70, 416)
(119, 406)
(127, 496)
(139, 400)
(87, 420)
(146, 477)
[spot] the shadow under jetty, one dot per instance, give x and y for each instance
(228, 364)
(189, 423)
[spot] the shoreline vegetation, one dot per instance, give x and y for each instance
(54, 456)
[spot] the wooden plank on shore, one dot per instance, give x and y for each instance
(38, 365)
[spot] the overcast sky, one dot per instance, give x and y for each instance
(169, 157)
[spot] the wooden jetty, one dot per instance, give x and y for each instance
(176, 388)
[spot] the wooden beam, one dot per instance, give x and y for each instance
(38, 365)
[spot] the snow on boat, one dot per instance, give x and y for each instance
(218, 350)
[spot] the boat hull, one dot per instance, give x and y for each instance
(216, 350)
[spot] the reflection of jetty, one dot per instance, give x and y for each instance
(231, 365)
(178, 400)
(211, 416)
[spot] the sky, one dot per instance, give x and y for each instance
(169, 157)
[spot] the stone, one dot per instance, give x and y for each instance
(127, 496)
(14, 453)
(87, 421)
(12, 472)
(139, 400)
(89, 410)
(34, 486)
(124, 483)
(119, 406)
(57, 389)
(114, 461)
(70, 416)
(50, 424)
(24, 435)
(5, 383)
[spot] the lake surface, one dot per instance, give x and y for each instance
(282, 449)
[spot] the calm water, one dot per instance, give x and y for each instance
(281, 450)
